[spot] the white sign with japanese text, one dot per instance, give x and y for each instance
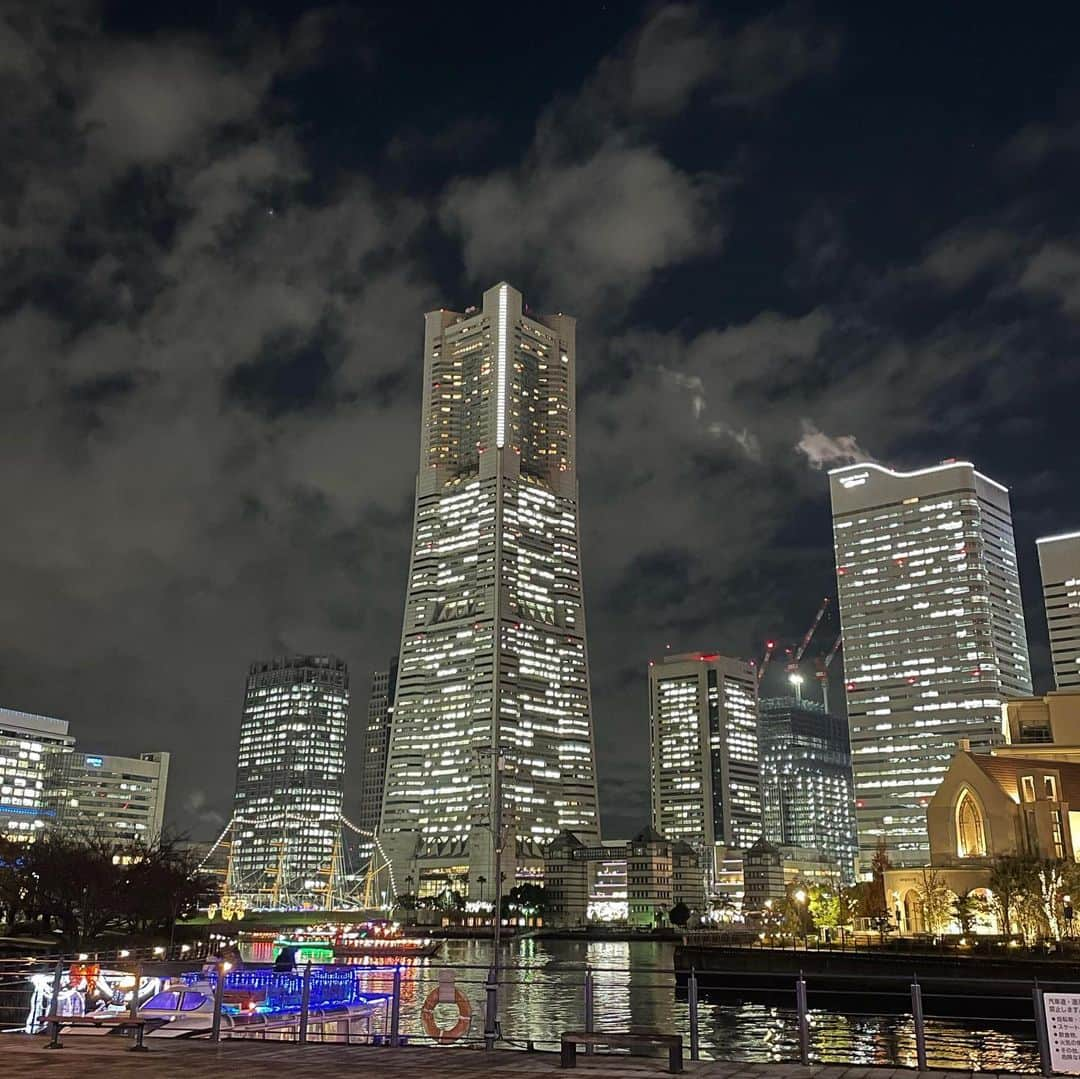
(1063, 1028)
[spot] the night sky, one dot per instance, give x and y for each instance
(793, 236)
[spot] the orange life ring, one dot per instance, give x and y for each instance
(445, 1035)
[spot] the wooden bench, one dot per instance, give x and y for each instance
(572, 1039)
(58, 1021)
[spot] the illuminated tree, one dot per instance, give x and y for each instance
(934, 896)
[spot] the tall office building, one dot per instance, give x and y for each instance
(27, 743)
(375, 745)
(806, 788)
(119, 798)
(289, 778)
(934, 635)
(1059, 561)
(705, 775)
(493, 663)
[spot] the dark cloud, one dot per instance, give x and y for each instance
(210, 339)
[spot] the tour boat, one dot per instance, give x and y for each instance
(381, 940)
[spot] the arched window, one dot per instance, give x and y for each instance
(970, 830)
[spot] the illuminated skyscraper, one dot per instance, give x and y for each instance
(806, 791)
(934, 636)
(289, 778)
(375, 745)
(1059, 561)
(705, 777)
(493, 652)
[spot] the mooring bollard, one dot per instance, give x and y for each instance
(305, 1002)
(1041, 1034)
(920, 1025)
(691, 997)
(804, 1020)
(395, 1010)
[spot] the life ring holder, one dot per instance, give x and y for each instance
(446, 993)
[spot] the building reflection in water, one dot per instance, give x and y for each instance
(542, 995)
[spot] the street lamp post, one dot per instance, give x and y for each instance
(800, 898)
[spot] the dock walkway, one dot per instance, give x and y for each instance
(27, 1058)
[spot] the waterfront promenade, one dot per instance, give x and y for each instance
(26, 1058)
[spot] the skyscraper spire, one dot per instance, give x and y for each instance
(493, 663)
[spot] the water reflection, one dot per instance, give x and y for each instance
(542, 995)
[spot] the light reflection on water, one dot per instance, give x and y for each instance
(543, 995)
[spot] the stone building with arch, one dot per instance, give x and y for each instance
(988, 805)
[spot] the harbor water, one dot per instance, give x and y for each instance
(541, 994)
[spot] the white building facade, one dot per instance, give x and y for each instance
(493, 659)
(109, 797)
(705, 774)
(289, 782)
(933, 632)
(27, 744)
(1059, 563)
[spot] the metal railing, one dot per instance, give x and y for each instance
(529, 1005)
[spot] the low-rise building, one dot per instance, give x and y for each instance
(608, 890)
(989, 805)
(1043, 726)
(648, 878)
(636, 882)
(566, 881)
(763, 878)
(109, 797)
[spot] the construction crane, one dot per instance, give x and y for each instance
(795, 655)
(793, 665)
(823, 669)
(769, 647)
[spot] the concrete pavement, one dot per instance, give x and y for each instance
(26, 1058)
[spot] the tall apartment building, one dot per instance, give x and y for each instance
(27, 743)
(374, 747)
(289, 778)
(934, 636)
(493, 668)
(118, 798)
(1059, 562)
(806, 788)
(705, 773)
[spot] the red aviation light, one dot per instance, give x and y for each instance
(706, 656)
(851, 685)
(841, 570)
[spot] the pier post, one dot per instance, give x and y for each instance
(219, 1000)
(135, 992)
(395, 1011)
(491, 1007)
(305, 1002)
(804, 1021)
(920, 1025)
(1039, 1007)
(54, 1010)
(590, 1019)
(691, 998)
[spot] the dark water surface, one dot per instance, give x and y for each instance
(542, 995)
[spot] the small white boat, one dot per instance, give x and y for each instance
(186, 1010)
